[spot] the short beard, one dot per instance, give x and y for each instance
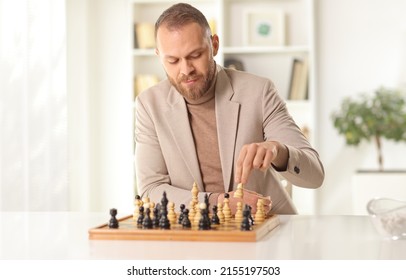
(197, 92)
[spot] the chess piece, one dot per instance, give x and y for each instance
(238, 214)
(151, 209)
(164, 221)
(186, 221)
(181, 214)
(113, 223)
(195, 192)
(259, 215)
(204, 222)
(155, 220)
(198, 214)
(140, 216)
(226, 208)
(215, 218)
(171, 213)
(246, 223)
(206, 201)
(220, 213)
(137, 204)
(192, 211)
(239, 193)
(147, 222)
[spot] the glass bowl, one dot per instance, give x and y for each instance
(389, 217)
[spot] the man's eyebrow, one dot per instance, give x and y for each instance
(189, 54)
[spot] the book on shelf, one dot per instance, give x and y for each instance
(144, 81)
(298, 89)
(144, 37)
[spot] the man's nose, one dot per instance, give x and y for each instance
(186, 67)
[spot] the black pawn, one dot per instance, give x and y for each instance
(113, 223)
(141, 216)
(215, 218)
(155, 221)
(186, 222)
(246, 223)
(147, 222)
(181, 215)
(204, 223)
(251, 218)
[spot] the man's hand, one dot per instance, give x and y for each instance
(249, 197)
(260, 156)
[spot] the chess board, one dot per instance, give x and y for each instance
(226, 232)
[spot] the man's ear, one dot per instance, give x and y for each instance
(215, 44)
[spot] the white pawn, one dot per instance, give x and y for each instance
(238, 213)
(259, 215)
(220, 213)
(151, 210)
(198, 214)
(171, 213)
(191, 211)
(226, 208)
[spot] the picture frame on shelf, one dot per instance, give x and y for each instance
(264, 28)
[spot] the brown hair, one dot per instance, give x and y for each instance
(181, 14)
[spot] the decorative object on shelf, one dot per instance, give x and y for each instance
(144, 35)
(144, 81)
(298, 89)
(388, 217)
(234, 64)
(265, 28)
(373, 117)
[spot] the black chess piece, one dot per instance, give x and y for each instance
(147, 222)
(206, 201)
(186, 222)
(164, 221)
(251, 218)
(181, 215)
(246, 223)
(113, 223)
(215, 220)
(204, 222)
(140, 216)
(155, 220)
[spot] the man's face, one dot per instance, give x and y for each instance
(187, 57)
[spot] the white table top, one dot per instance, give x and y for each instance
(64, 235)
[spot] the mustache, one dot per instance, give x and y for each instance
(188, 78)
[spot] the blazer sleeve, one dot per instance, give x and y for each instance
(304, 167)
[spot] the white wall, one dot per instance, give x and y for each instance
(361, 45)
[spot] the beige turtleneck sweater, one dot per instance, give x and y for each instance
(202, 119)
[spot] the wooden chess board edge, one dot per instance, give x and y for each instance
(103, 232)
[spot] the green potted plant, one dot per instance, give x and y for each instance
(372, 118)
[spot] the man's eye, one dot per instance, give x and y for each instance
(197, 55)
(172, 61)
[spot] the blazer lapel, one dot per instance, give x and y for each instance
(178, 123)
(227, 113)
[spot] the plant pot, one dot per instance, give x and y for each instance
(367, 185)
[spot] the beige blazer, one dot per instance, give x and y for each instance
(248, 109)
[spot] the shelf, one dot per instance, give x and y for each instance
(266, 50)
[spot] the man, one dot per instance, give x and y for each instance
(215, 126)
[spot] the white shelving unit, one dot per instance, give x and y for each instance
(271, 61)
